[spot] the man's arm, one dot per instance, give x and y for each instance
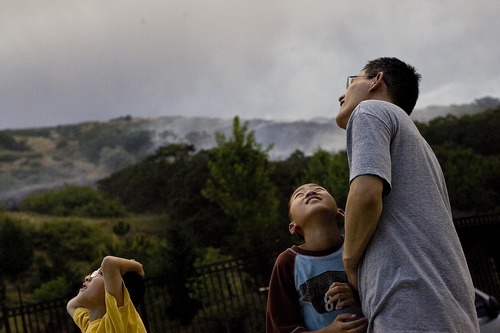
(363, 209)
(112, 270)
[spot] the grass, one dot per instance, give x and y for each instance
(149, 226)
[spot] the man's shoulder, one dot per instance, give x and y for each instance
(376, 106)
(387, 113)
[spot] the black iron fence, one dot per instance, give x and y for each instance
(480, 238)
(230, 296)
(223, 297)
(226, 297)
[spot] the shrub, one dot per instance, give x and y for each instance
(16, 247)
(52, 289)
(121, 228)
(73, 200)
(8, 142)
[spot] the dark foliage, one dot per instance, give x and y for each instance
(479, 132)
(73, 200)
(8, 142)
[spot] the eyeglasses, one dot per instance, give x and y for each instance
(95, 273)
(350, 78)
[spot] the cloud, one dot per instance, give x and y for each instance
(71, 61)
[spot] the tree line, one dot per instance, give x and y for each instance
(225, 202)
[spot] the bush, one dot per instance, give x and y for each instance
(8, 142)
(16, 247)
(73, 200)
(52, 289)
(121, 228)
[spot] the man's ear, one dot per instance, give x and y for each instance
(340, 213)
(378, 81)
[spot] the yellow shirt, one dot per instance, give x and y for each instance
(116, 320)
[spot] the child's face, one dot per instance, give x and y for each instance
(92, 290)
(309, 200)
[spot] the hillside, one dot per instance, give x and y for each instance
(40, 158)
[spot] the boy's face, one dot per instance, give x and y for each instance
(92, 290)
(357, 92)
(310, 200)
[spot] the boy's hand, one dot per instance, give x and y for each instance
(140, 268)
(342, 295)
(345, 323)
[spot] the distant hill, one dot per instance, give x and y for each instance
(39, 158)
(434, 111)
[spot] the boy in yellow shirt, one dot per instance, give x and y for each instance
(105, 302)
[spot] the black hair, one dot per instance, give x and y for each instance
(401, 79)
(135, 286)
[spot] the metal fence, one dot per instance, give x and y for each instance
(480, 238)
(223, 297)
(230, 296)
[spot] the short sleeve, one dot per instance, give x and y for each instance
(81, 318)
(369, 145)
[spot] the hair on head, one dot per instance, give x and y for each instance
(401, 79)
(135, 286)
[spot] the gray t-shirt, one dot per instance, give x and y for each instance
(414, 276)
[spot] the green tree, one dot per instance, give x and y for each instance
(8, 142)
(73, 200)
(55, 288)
(201, 218)
(178, 258)
(240, 183)
(287, 175)
(115, 159)
(16, 253)
(112, 135)
(148, 186)
(478, 132)
(331, 171)
(65, 250)
(472, 180)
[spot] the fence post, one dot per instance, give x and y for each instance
(5, 315)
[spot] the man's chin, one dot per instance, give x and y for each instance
(341, 122)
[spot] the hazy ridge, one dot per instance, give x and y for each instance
(83, 153)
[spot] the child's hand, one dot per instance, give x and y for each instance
(345, 323)
(342, 295)
(139, 268)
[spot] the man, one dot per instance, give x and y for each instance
(401, 249)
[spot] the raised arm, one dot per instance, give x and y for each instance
(72, 305)
(112, 270)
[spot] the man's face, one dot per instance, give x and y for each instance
(357, 92)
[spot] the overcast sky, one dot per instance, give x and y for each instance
(64, 62)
